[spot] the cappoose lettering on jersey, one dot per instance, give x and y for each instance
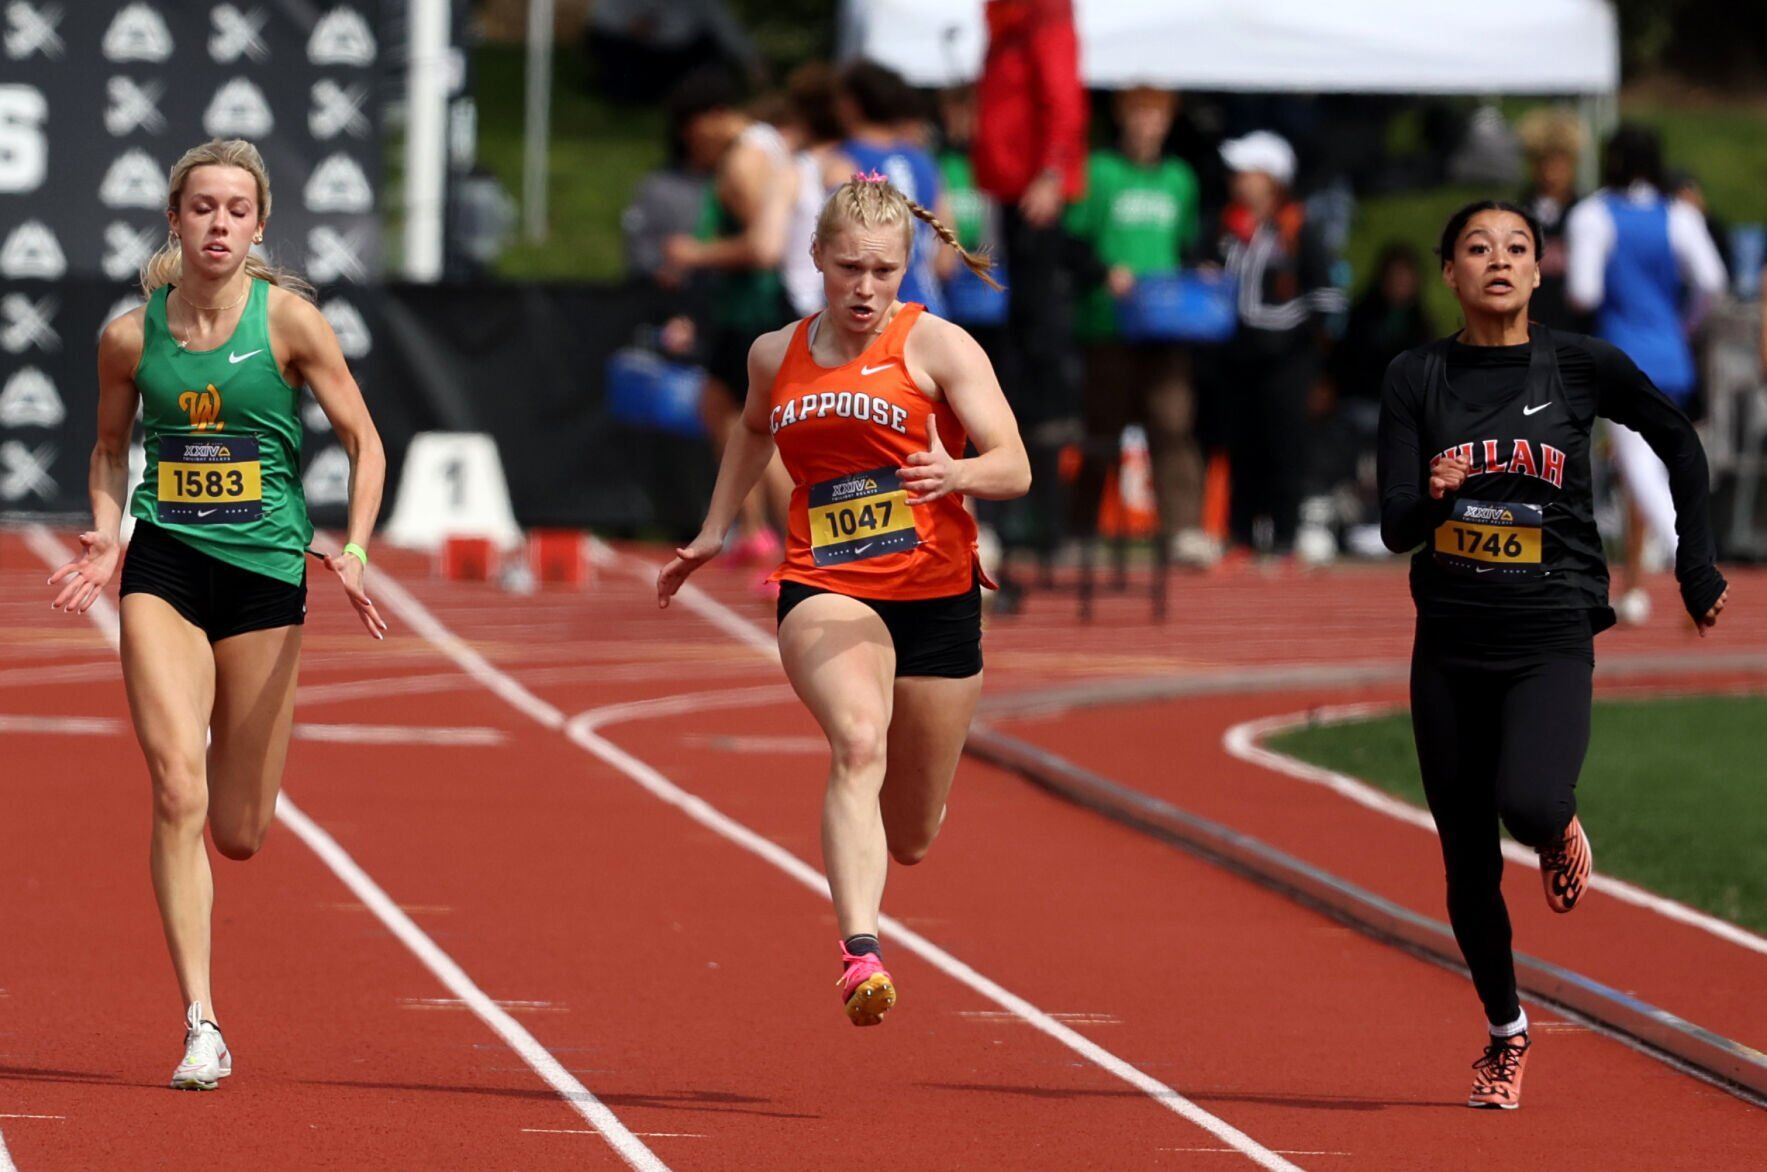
(842, 405)
(1485, 456)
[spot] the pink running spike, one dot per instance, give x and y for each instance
(866, 988)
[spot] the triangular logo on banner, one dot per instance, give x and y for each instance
(352, 333)
(338, 185)
(29, 399)
(238, 110)
(341, 37)
(32, 250)
(134, 180)
(138, 33)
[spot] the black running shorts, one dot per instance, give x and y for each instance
(221, 600)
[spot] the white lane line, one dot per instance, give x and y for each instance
(33, 1116)
(73, 726)
(581, 729)
(349, 734)
(403, 928)
(6, 1164)
(1244, 741)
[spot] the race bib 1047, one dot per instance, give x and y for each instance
(864, 515)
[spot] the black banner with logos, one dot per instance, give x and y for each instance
(98, 98)
(526, 365)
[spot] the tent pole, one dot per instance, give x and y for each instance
(426, 131)
(536, 133)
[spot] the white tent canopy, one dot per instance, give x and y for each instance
(1342, 46)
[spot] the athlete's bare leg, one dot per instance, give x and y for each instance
(255, 677)
(840, 660)
(169, 672)
(927, 731)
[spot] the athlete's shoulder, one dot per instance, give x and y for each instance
(932, 334)
(1407, 367)
(123, 338)
(767, 352)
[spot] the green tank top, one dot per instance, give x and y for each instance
(744, 301)
(223, 444)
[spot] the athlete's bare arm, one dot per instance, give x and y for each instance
(83, 580)
(308, 352)
(746, 455)
(945, 361)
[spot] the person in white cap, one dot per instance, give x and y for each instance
(1283, 267)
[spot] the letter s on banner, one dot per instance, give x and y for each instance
(24, 148)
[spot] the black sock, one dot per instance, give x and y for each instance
(862, 944)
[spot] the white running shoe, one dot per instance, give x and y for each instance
(206, 1060)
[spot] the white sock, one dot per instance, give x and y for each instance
(1518, 1026)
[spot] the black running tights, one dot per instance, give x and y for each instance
(1498, 739)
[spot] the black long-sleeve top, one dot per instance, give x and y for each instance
(1525, 429)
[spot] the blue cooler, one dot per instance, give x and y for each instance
(646, 390)
(1180, 307)
(970, 302)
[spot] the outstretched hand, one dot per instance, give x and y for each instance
(931, 474)
(349, 568)
(687, 559)
(87, 575)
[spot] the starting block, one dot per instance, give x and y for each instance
(560, 556)
(468, 559)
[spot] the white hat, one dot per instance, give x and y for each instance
(1261, 150)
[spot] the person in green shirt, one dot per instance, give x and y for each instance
(214, 587)
(1140, 217)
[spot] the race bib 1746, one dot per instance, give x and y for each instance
(1486, 537)
(210, 479)
(864, 515)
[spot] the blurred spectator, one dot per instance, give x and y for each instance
(812, 130)
(1553, 140)
(1685, 186)
(642, 48)
(1283, 269)
(1389, 318)
(875, 107)
(1645, 265)
(739, 244)
(975, 217)
(1139, 218)
(1030, 156)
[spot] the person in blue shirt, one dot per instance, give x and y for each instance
(1645, 266)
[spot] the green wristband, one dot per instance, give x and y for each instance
(358, 553)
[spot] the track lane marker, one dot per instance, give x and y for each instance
(1245, 741)
(581, 729)
(348, 734)
(442, 966)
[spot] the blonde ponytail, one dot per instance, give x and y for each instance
(167, 265)
(872, 201)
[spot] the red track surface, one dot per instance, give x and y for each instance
(689, 984)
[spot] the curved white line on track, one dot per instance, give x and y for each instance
(1244, 741)
(582, 729)
(442, 966)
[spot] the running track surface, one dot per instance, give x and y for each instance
(687, 982)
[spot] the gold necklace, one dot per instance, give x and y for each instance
(184, 343)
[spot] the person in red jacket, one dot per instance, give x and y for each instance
(1029, 154)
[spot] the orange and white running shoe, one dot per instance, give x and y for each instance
(1565, 868)
(866, 988)
(1499, 1080)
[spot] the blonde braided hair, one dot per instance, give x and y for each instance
(872, 201)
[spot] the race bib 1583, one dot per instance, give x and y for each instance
(210, 479)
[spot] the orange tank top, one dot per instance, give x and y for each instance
(843, 432)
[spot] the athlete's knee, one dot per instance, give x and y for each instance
(180, 792)
(239, 840)
(1535, 821)
(859, 744)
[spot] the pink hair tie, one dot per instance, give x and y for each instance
(874, 177)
